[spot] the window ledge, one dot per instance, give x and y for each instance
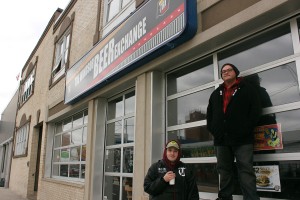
(78, 184)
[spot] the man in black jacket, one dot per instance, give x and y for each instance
(232, 113)
(169, 178)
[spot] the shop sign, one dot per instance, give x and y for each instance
(267, 178)
(268, 137)
(157, 27)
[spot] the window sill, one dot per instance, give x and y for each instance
(66, 182)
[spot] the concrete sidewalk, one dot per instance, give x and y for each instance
(7, 194)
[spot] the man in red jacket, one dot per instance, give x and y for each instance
(232, 113)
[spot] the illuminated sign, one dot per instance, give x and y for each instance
(155, 28)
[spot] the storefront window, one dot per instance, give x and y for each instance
(264, 48)
(119, 147)
(69, 151)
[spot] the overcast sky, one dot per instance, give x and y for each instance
(22, 23)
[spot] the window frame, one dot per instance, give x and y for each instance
(27, 87)
(82, 127)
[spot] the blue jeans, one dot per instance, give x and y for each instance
(244, 162)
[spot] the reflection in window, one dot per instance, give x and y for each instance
(128, 160)
(281, 84)
(206, 176)
(129, 130)
(113, 160)
(114, 133)
(197, 74)
(264, 48)
(115, 108)
(188, 108)
(195, 141)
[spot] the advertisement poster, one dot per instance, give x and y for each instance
(268, 137)
(267, 178)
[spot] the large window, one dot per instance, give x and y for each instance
(61, 56)
(69, 151)
(27, 88)
(119, 147)
(269, 62)
(21, 140)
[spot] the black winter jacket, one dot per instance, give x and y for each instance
(235, 127)
(185, 187)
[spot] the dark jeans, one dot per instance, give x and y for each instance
(244, 162)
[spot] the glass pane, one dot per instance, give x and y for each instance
(66, 139)
(58, 128)
(277, 86)
(125, 2)
(55, 170)
(127, 188)
(67, 124)
(113, 160)
(113, 9)
(262, 49)
(83, 153)
(290, 129)
(289, 175)
(74, 171)
(128, 160)
(112, 188)
(115, 108)
(129, 130)
(206, 176)
(77, 136)
(189, 77)
(82, 171)
(74, 154)
(130, 103)
(114, 132)
(64, 170)
(85, 121)
(84, 137)
(195, 142)
(57, 141)
(65, 155)
(56, 156)
(78, 120)
(188, 108)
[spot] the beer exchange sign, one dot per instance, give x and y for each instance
(156, 27)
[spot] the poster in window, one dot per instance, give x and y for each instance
(268, 137)
(267, 178)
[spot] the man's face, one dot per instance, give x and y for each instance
(228, 74)
(172, 154)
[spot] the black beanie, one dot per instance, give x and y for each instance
(237, 72)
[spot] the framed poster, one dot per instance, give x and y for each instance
(267, 178)
(268, 137)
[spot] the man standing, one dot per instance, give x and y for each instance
(232, 113)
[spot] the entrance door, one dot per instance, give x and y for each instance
(36, 181)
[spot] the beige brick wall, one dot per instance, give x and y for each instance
(52, 190)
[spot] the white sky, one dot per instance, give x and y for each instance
(22, 23)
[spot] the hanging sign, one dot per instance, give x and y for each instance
(158, 26)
